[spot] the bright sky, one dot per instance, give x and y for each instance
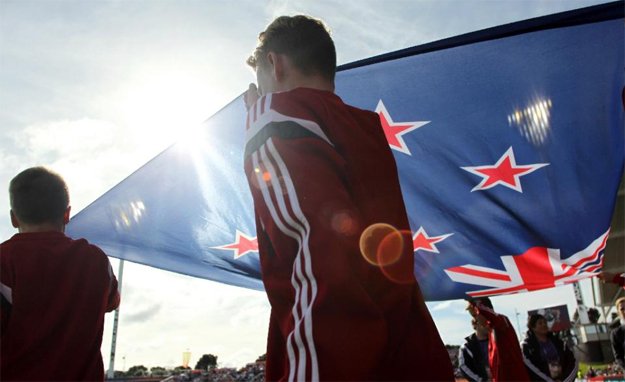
(94, 90)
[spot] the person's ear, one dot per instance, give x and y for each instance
(14, 222)
(66, 215)
(278, 65)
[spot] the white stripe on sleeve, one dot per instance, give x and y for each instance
(7, 292)
(296, 227)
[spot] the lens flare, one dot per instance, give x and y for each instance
(343, 223)
(381, 244)
(390, 249)
(400, 272)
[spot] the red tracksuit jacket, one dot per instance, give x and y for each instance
(320, 173)
(55, 292)
(504, 352)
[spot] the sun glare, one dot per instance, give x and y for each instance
(164, 107)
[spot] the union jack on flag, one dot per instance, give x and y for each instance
(537, 268)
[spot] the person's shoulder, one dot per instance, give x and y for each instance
(297, 98)
(618, 331)
(468, 346)
(14, 244)
(303, 100)
(6, 243)
(470, 338)
(527, 340)
(84, 245)
(5, 251)
(471, 343)
(12, 240)
(363, 113)
(301, 106)
(314, 100)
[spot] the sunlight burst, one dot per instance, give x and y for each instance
(165, 107)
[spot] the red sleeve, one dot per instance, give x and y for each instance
(5, 311)
(6, 298)
(619, 280)
(504, 351)
(113, 296)
(296, 188)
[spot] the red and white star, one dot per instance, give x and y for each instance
(421, 241)
(505, 172)
(394, 131)
(242, 245)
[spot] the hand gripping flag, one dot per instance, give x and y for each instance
(509, 143)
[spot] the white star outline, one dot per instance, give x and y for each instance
(237, 240)
(381, 109)
(436, 239)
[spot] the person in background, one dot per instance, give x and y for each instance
(590, 373)
(334, 240)
(617, 336)
(473, 357)
(501, 356)
(55, 290)
(547, 358)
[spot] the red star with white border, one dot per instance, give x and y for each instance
(394, 131)
(242, 245)
(505, 172)
(422, 241)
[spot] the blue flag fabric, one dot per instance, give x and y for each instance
(509, 144)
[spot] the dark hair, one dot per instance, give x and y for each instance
(305, 40)
(482, 300)
(532, 319)
(38, 195)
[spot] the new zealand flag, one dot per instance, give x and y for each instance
(509, 144)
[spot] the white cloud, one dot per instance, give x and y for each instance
(453, 329)
(442, 305)
(92, 155)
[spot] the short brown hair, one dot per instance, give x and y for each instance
(618, 301)
(305, 40)
(38, 195)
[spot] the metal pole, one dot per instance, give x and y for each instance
(120, 275)
(594, 294)
(518, 327)
(581, 307)
(602, 304)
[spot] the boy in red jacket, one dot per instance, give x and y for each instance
(325, 186)
(55, 290)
